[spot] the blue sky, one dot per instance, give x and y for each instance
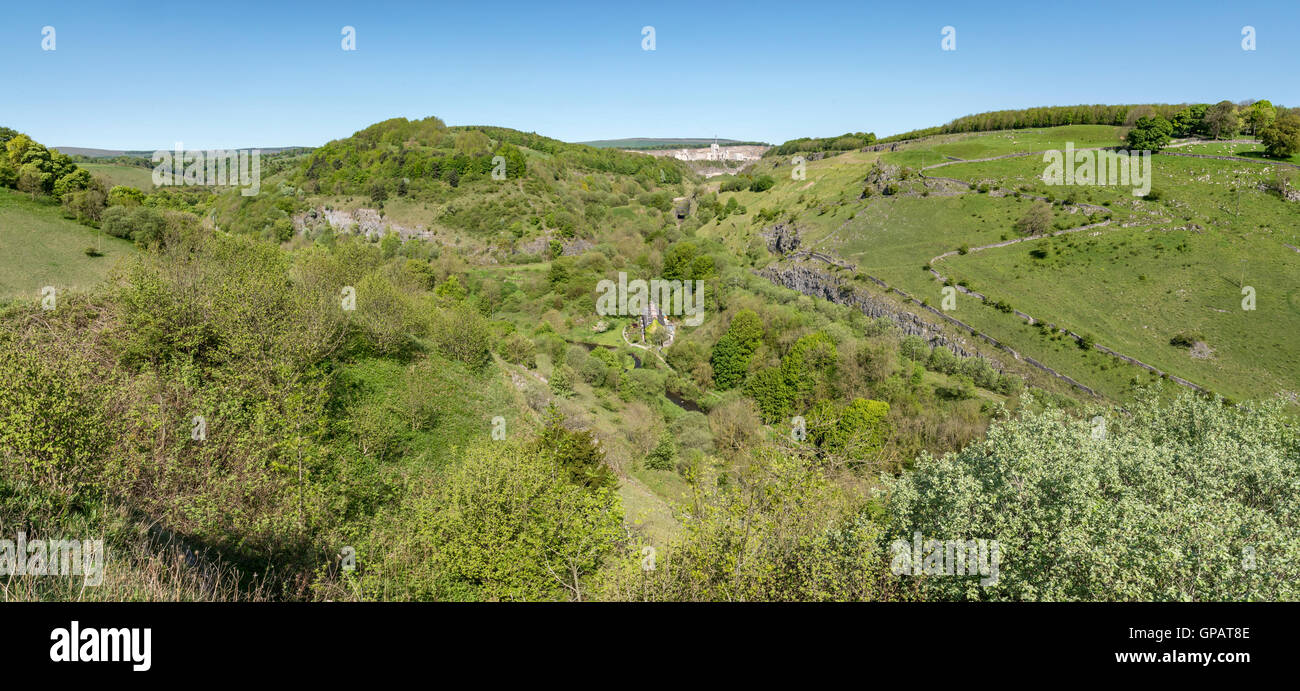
(217, 75)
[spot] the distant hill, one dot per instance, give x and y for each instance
(113, 153)
(652, 143)
(91, 153)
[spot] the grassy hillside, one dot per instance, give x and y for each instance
(39, 247)
(117, 174)
(1158, 268)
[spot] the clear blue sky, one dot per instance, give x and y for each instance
(131, 75)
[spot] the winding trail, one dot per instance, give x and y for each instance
(1013, 241)
(652, 351)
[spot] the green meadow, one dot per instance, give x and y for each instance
(117, 174)
(38, 247)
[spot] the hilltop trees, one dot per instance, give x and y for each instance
(1051, 116)
(1282, 138)
(1190, 121)
(1259, 116)
(844, 142)
(1187, 121)
(34, 169)
(1221, 120)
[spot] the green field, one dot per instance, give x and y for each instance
(38, 247)
(131, 176)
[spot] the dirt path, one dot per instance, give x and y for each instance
(648, 349)
(1013, 241)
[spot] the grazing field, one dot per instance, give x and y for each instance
(1245, 150)
(38, 247)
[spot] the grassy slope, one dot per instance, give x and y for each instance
(1137, 287)
(38, 247)
(1232, 149)
(131, 176)
(1133, 288)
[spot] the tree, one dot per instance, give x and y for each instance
(1188, 500)
(85, 205)
(773, 394)
(78, 179)
(1259, 116)
(942, 359)
(451, 289)
(1037, 220)
(732, 352)
(734, 425)
(914, 348)
(561, 381)
(470, 142)
(17, 147)
(762, 183)
(809, 367)
(658, 335)
(1190, 121)
(122, 195)
(1282, 138)
(390, 244)
(1221, 120)
(577, 451)
(31, 180)
(850, 433)
(516, 162)
(1138, 113)
(1150, 134)
(664, 454)
(679, 261)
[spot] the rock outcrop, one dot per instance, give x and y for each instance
(366, 222)
(815, 282)
(782, 238)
